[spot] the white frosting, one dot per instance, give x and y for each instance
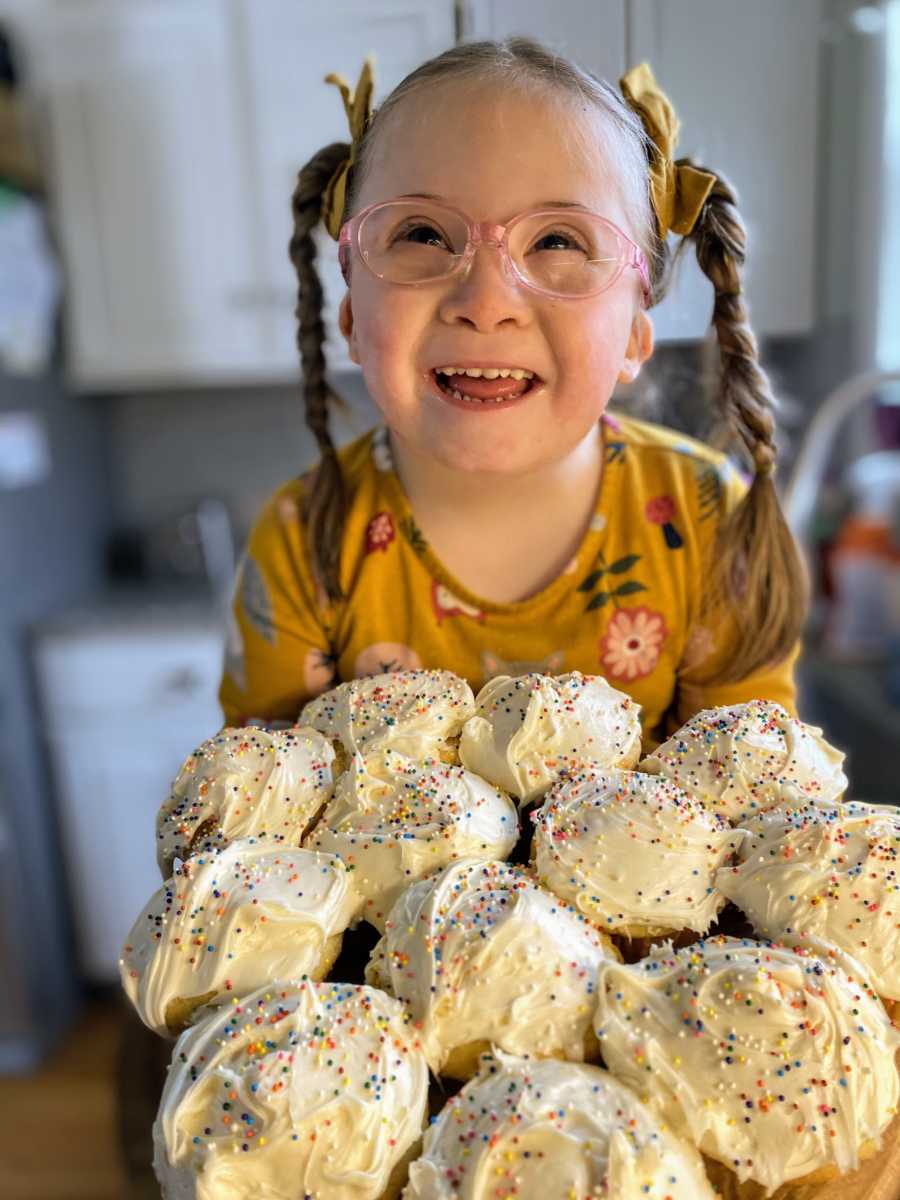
(629, 849)
(231, 919)
(245, 782)
(749, 757)
(530, 730)
(774, 1061)
(412, 712)
(300, 1089)
(394, 821)
(481, 952)
(830, 871)
(539, 1129)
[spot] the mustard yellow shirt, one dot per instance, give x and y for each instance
(625, 607)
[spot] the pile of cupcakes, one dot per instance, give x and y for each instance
(433, 945)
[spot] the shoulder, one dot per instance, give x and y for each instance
(358, 466)
(664, 458)
(278, 539)
(658, 441)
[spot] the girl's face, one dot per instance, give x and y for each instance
(492, 153)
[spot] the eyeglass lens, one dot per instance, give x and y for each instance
(568, 252)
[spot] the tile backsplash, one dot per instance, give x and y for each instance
(170, 449)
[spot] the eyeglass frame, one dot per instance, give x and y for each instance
(485, 232)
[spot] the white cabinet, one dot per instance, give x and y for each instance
(152, 203)
(593, 32)
(174, 131)
(744, 80)
(288, 49)
(124, 704)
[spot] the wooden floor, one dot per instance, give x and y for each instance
(59, 1128)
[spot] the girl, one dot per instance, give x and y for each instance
(502, 220)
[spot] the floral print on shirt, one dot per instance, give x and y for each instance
(631, 646)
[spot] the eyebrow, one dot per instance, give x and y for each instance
(540, 203)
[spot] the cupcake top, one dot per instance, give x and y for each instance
(481, 952)
(229, 920)
(299, 1089)
(632, 850)
(832, 871)
(413, 712)
(774, 1061)
(536, 1128)
(394, 821)
(744, 758)
(244, 782)
(530, 730)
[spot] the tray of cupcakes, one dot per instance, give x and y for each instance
(433, 945)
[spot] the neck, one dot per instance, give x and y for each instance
(430, 485)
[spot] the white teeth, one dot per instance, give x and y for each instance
(488, 372)
(457, 395)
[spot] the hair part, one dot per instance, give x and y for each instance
(760, 575)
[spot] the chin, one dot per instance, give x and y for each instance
(481, 459)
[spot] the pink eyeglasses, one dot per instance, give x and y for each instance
(419, 241)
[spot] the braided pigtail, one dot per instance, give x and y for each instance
(326, 504)
(760, 573)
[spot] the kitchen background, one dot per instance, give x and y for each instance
(149, 397)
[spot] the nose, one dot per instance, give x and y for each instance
(486, 292)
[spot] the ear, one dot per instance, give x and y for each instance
(345, 322)
(639, 348)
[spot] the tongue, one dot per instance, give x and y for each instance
(487, 389)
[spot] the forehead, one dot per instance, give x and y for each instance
(493, 151)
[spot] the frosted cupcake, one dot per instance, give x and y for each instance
(228, 921)
(827, 871)
(301, 1089)
(394, 821)
(632, 852)
(540, 1128)
(776, 1063)
(481, 955)
(531, 730)
(245, 782)
(416, 713)
(745, 758)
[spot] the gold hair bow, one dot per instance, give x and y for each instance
(679, 191)
(358, 106)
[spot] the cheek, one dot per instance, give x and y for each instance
(596, 347)
(386, 328)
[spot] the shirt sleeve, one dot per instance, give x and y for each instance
(708, 646)
(278, 649)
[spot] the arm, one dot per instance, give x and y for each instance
(278, 652)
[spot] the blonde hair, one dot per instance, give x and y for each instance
(760, 577)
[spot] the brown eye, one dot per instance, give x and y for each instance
(570, 243)
(419, 234)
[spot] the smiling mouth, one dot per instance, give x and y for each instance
(507, 390)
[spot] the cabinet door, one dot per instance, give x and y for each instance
(151, 201)
(744, 80)
(111, 777)
(592, 32)
(123, 707)
(289, 49)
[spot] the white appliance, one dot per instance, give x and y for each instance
(126, 697)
